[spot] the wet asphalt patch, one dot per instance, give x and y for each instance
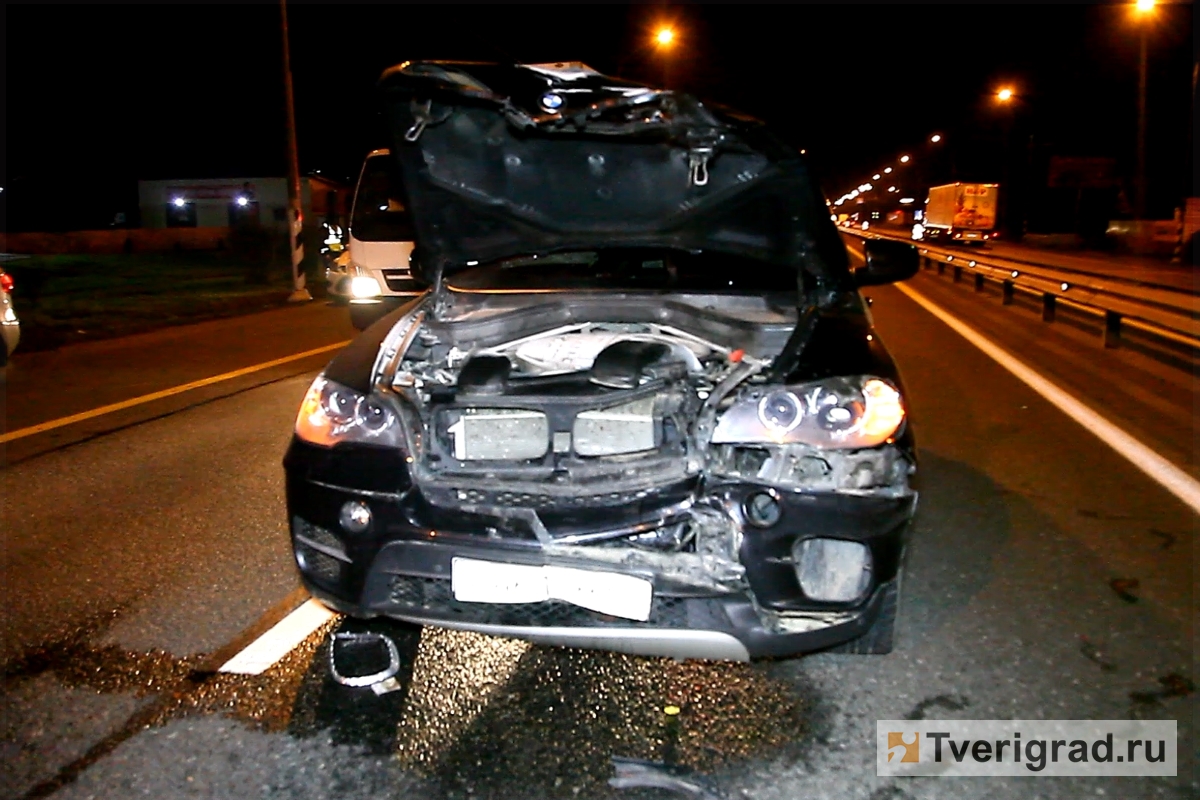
(474, 716)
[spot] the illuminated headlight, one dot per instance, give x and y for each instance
(918, 231)
(832, 570)
(837, 413)
(363, 286)
(332, 413)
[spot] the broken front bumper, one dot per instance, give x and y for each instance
(400, 566)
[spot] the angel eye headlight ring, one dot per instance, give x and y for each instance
(781, 411)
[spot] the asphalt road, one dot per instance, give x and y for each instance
(144, 547)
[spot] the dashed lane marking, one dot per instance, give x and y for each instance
(281, 639)
(174, 390)
(1157, 467)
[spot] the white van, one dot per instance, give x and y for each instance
(372, 273)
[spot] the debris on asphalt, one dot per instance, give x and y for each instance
(1123, 587)
(634, 774)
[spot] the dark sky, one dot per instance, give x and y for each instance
(99, 96)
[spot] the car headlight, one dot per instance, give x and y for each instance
(364, 286)
(332, 413)
(836, 413)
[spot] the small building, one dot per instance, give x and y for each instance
(227, 202)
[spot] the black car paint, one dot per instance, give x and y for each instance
(410, 541)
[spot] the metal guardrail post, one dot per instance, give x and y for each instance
(979, 281)
(957, 273)
(1112, 329)
(1048, 307)
(941, 267)
(926, 262)
(1006, 293)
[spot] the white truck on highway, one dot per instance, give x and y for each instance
(960, 213)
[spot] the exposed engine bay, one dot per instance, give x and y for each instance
(522, 433)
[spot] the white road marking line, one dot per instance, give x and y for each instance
(1158, 468)
(285, 636)
(174, 390)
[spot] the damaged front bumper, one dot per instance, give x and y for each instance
(737, 595)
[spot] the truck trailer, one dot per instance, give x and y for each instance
(959, 213)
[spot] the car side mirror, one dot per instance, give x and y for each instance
(888, 261)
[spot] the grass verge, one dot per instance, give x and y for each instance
(67, 298)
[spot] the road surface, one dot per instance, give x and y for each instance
(1049, 577)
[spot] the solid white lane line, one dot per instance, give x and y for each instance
(285, 636)
(147, 398)
(1158, 468)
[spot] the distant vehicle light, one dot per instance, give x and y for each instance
(364, 286)
(875, 177)
(6, 282)
(242, 201)
(906, 200)
(891, 188)
(937, 137)
(865, 225)
(888, 171)
(918, 231)
(178, 202)
(904, 159)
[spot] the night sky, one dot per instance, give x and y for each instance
(100, 96)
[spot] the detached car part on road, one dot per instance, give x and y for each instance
(642, 407)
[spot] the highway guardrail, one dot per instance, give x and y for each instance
(1168, 312)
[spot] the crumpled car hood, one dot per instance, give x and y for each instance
(502, 161)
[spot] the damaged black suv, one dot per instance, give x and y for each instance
(641, 407)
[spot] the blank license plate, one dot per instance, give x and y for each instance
(609, 593)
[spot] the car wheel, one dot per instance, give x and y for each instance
(878, 640)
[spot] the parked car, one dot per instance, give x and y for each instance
(642, 408)
(372, 272)
(10, 326)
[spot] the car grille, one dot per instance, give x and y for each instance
(476, 496)
(435, 595)
(324, 569)
(319, 553)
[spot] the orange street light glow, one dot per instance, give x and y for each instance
(1004, 95)
(665, 37)
(1145, 6)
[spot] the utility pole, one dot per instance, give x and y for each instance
(295, 219)
(1139, 203)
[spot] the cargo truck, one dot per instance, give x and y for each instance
(961, 213)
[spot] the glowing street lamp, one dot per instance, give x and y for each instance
(1004, 95)
(664, 37)
(937, 137)
(1144, 9)
(904, 159)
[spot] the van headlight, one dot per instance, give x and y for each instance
(836, 413)
(364, 286)
(332, 413)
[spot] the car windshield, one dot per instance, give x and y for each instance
(628, 269)
(380, 214)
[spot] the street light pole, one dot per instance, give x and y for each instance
(294, 215)
(1140, 187)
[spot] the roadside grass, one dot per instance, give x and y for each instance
(65, 298)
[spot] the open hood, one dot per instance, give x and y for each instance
(509, 160)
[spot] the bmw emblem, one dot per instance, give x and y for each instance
(552, 101)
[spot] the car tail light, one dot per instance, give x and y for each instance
(6, 282)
